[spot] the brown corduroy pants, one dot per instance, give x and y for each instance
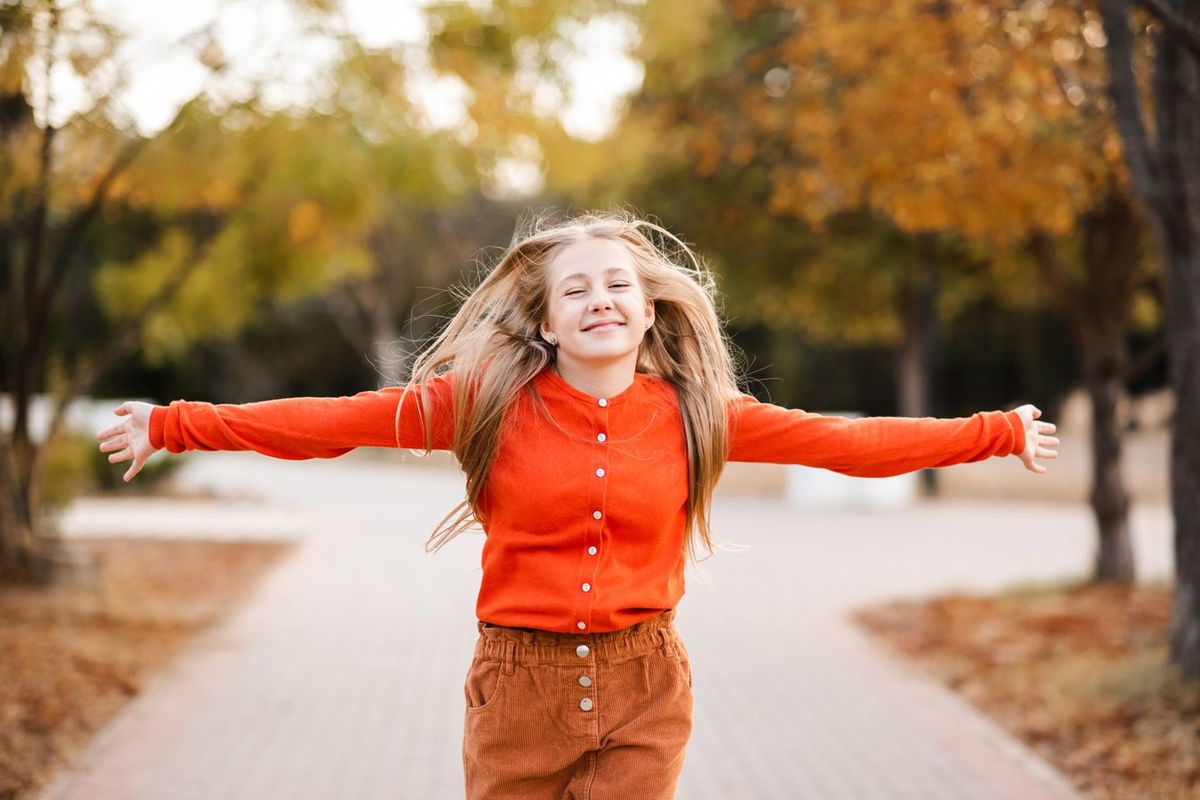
(560, 716)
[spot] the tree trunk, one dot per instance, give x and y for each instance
(26, 556)
(1111, 252)
(1184, 366)
(1097, 310)
(915, 364)
(1103, 373)
(1165, 173)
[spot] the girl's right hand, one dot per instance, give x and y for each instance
(130, 437)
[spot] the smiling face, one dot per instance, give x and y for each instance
(597, 313)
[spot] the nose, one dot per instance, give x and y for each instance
(601, 300)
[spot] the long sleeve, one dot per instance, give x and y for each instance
(868, 447)
(306, 427)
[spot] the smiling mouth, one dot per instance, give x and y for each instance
(604, 326)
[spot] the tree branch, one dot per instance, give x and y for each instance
(73, 234)
(122, 345)
(1067, 291)
(1144, 169)
(1177, 20)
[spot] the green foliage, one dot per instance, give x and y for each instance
(68, 472)
(76, 466)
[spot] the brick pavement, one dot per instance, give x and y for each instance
(287, 700)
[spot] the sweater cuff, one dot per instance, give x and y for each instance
(1018, 428)
(158, 421)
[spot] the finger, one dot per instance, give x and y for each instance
(121, 456)
(1044, 453)
(1050, 440)
(1037, 412)
(107, 432)
(123, 409)
(1046, 427)
(114, 443)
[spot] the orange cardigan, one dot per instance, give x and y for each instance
(584, 512)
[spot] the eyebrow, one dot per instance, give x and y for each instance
(608, 271)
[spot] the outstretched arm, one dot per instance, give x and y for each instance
(292, 428)
(882, 446)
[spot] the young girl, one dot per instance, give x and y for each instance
(587, 390)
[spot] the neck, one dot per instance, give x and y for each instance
(598, 380)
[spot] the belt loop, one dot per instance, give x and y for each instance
(664, 640)
(510, 656)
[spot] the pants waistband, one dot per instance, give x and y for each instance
(520, 645)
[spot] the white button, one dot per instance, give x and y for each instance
(586, 704)
(600, 472)
(596, 515)
(585, 681)
(592, 550)
(602, 402)
(587, 587)
(581, 624)
(600, 437)
(582, 651)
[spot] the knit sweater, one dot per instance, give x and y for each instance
(584, 511)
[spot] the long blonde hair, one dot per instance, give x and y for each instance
(492, 347)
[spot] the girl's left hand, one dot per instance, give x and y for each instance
(1038, 442)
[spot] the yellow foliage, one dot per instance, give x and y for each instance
(944, 120)
(1147, 312)
(304, 222)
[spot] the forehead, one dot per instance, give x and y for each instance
(590, 257)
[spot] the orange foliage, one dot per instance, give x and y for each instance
(980, 118)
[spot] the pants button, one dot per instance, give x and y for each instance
(585, 681)
(586, 704)
(582, 651)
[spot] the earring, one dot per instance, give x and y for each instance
(553, 340)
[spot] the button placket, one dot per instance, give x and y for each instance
(594, 533)
(585, 703)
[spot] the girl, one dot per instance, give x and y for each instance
(587, 390)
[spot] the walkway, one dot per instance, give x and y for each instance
(288, 701)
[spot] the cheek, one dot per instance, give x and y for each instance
(562, 312)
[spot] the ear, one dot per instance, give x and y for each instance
(649, 313)
(544, 330)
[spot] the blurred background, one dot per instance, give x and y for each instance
(923, 212)
(235, 201)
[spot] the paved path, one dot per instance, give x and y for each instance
(286, 700)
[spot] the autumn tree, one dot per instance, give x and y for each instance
(120, 244)
(56, 180)
(978, 123)
(1162, 150)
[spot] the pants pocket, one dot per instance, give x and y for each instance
(485, 681)
(682, 662)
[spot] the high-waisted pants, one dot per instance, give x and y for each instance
(561, 716)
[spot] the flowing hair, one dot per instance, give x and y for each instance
(493, 350)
